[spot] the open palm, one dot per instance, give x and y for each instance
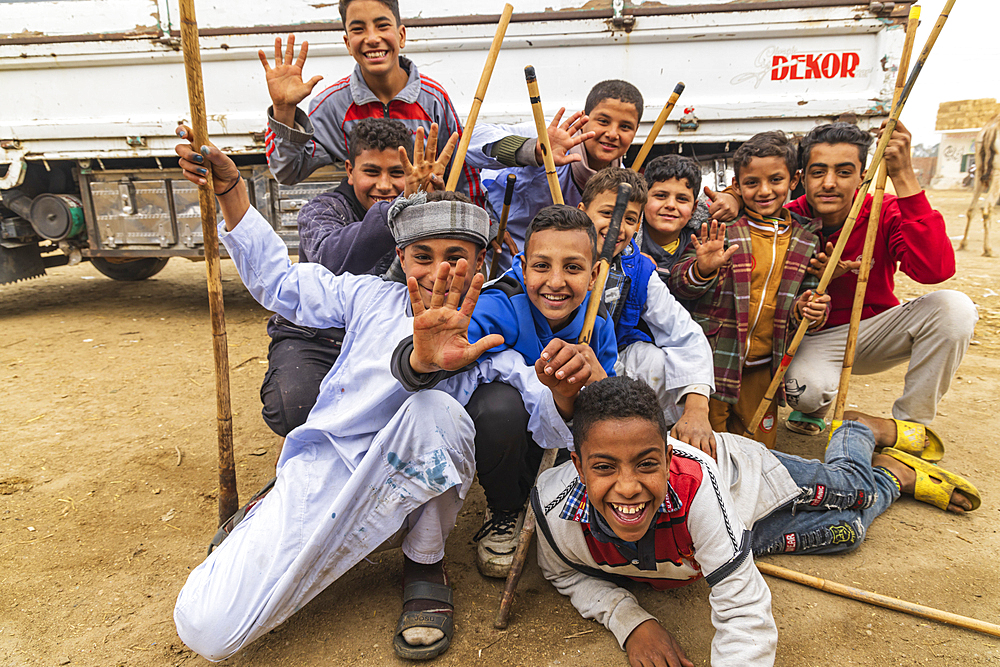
(284, 80)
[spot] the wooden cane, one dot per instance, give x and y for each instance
(549, 458)
(228, 500)
(543, 135)
(484, 81)
(508, 195)
(657, 126)
(848, 227)
(873, 222)
(879, 600)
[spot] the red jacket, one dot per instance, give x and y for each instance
(911, 236)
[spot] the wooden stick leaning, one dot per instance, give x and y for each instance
(508, 195)
(549, 458)
(657, 126)
(848, 227)
(228, 500)
(874, 218)
(458, 163)
(879, 600)
(543, 135)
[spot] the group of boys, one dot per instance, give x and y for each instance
(396, 376)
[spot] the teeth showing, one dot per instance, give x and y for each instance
(376, 54)
(556, 297)
(629, 509)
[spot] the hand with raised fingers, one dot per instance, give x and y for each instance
(693, 427)
(195, 164)
(284, 80)
(724, 207)
(563, 137)
(812, 307)
(898, 161)
(650, 645)
(817, 265)
(441, 329)
(426, 172)
(710, 249)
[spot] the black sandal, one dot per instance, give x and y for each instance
(425, 590)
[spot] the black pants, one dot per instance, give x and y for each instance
(507, 458)
(298, 359)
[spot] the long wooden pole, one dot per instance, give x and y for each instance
(484, 81)
(228, 500)
(549, 458)
(508, 195)
(657, 126)
(543, 135)
(873, 222)
(879, 600)
(848, 227)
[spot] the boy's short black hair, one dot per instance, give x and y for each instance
(836, 133)
(378, 134)
(392, 5)
(610, 178)
(614, 89)
(615, 398)
(676, 166)
(565, 219)
(773, 143)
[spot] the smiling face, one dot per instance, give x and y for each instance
(615, 123)
(376, 176)
(600, 211)
(559, 270)
(421, 259)
(625, 465)
(373, 37)
(832, 176)
(668, 209)
(764, 185)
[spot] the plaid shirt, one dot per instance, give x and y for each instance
(722, 305)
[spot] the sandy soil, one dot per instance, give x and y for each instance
(108, 499)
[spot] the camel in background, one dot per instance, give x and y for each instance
(987, 181)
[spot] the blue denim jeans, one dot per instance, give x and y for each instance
(839, 499)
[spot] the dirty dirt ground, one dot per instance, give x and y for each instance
(108, 491)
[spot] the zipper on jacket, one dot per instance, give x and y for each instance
(767, 280)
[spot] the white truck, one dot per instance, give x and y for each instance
(92, 91)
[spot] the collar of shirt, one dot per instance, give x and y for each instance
(767, 224)
(362, 94)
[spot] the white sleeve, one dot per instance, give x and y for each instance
(307, 294)
(688, 354)
(484, 135)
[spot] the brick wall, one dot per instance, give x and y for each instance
(962, 114)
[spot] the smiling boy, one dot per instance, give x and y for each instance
(384, 84)
(749, 298)
(672, 212)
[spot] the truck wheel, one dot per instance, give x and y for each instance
(129, 269)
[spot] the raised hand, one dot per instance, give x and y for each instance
(562, 139)
(195, 167)
(426, 173)
(898, 161)
(441, 330)
(817, 265)
(710, 249)
(284, 80)
(724, 207)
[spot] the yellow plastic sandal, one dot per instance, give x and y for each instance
(918, 440)
(928, 491)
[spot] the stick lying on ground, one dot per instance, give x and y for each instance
(848, 227)
(508, 194)
(549, 458)
(657, 126)
(228, 500)
(543, 135)
(477, 101)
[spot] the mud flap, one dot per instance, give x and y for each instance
(20, 263)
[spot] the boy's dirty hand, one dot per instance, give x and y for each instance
(562, 139)
(710, 249)
(817, 265)
(693, 427)
(441, 329)
(812, 307)
(426, 172)
(724, 207)
(284, 80)
(650, 645)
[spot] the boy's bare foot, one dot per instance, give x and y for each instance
(907, 477)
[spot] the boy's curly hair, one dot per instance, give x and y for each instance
(680, 167)
(565, 219)
(615, 399)
(773, 143)
(836, 133)
(391, 5)
(614, 89)
(610, 178)
(378, 134)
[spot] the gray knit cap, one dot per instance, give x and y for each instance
(414, 218)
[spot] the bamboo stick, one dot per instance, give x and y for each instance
(484, 81)
(657, 126)
(508, 195)
(228, 499)
(879, 600)
(874, 218)
(543, 135)
(848, 227)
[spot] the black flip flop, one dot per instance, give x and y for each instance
(425, 590)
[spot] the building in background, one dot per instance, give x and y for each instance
(959, 122)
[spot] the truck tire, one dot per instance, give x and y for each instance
(130, 269)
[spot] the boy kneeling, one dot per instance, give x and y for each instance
(637, 505)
